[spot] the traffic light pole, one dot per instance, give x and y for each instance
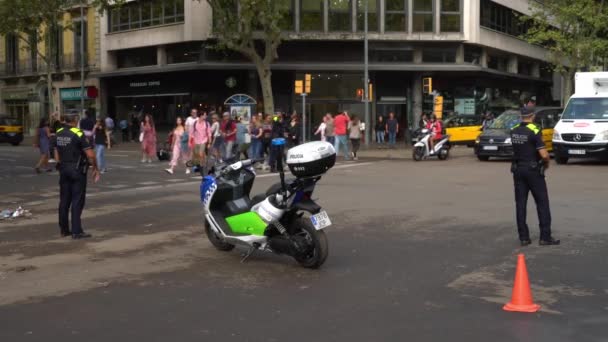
(366, 79)
(303, 117)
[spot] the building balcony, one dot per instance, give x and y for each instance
(33, 67)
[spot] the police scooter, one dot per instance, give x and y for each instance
(422, 148)
(284, 220)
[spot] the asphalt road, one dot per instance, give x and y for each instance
(418, 251)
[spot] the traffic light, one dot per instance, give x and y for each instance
(299, 87)
(427, 85)
(438, 107)
(360, 93)
(307, 83)
(370, 92)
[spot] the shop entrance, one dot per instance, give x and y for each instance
(163, 108)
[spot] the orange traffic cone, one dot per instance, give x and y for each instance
(521, 299)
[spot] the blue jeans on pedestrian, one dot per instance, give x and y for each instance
(331, 140)
(392, 138)
(342, 140)
(100, 154)
(255, 149)
(380, 137)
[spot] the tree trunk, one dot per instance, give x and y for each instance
(265, 76)
(568, 77)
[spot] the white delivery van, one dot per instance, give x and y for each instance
(582, 131)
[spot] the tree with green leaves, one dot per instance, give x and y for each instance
(39, 23)
(574, 33)
(253, 29)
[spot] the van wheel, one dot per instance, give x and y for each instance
(15, 144)
(483, 158)
(561, 160)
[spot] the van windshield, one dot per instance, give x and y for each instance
(506, 120)
(587, 108)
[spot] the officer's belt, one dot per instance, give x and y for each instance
(532, 164)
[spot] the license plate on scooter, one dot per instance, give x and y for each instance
(320, 220)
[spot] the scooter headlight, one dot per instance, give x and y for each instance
(477, 140)
(508, 141)
(556, 135)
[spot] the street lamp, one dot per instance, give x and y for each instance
(82, 57)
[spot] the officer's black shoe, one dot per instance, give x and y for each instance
(64, 234)
(550, 242)
(525, 242)
(81, 236)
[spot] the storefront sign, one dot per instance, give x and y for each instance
(16, 94)
(243, 112)
(73, 94)
(144, 84)
(231, 82)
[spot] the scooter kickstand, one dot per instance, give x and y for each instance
(249, 253)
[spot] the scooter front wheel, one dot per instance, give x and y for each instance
(418, 153)
(317, 248)
(443, 154)
(217, 241)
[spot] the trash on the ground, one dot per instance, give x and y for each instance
(25, 268)
(10, 214)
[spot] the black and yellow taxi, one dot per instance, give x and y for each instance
(463, 129)
(495, 141)
(11, 131)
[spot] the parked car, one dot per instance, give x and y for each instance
(11, 131)
(496, 140)
(463, 129)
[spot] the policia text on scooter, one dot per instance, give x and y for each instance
(530, 160)
(74, 156)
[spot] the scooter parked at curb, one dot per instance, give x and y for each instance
(284, 220)
(422, 148)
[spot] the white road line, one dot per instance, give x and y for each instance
(147, 183)
(117, 155)
(117, 186)
(8, 160)
(175, 180)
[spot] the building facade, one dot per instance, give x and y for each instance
(23, 85)
(157, 56)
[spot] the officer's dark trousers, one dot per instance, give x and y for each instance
(527, 180)
(73, 187)
(275, 152)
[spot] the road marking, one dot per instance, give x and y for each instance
(117, 155)
(147, 183)
(175, 180)
(50, 194)
(9, 160)
(117, 186)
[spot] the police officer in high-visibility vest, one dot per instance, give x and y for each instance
(530, 160)
(74, 155)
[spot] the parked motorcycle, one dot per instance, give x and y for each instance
(422, 149)
(284, 220)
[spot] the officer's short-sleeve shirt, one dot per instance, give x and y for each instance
(527, 140)
(71, 145)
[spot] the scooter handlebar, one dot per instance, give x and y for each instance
(240, 165)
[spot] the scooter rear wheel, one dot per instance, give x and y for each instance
(318, 249)
(418, 153)
(216, 241)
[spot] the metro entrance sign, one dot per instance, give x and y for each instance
(71, 94)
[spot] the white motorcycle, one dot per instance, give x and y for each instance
(422, 149)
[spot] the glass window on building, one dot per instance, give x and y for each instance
(373, 7)
(439, 55)
(472, 54)
(423, 16)
(450, 16)
(184, 53)
(339, 15)
(499, 63)
(395, 16)
(146, 13)
(287, 21)
(311, 15)
(132, 58)
(525, 67)
(392, 56)
(502, 19)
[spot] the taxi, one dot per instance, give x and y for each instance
(463, 129)
(11, 131)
